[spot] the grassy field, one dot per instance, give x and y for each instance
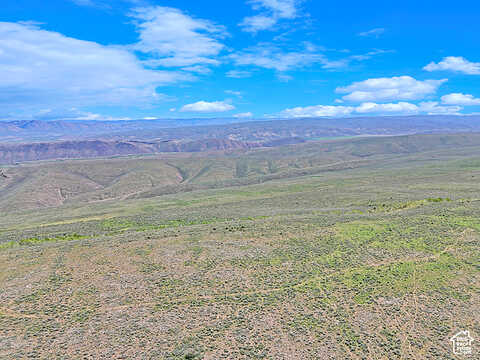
(362, 248)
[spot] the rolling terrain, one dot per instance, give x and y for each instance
(15, 153)
(363, 248)
(232, 129)
(22, 141)
(45, 184)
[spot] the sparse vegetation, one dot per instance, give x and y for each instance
(311, 255)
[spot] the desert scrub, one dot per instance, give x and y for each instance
(401, 278)
(403, 205)
(39, 240)
(416, 234)
(468, 222)
(360, 233)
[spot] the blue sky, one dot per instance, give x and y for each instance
(131, 59)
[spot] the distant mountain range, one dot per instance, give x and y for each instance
(35, 130)
(234, 129)
(41, 140)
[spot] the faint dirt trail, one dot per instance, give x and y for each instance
(256, 292)
(18, 315)
(106, 309)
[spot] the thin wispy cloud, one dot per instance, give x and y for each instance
(233, 92)
(270, 56)
(84, 2)
(376, 33)
(106, 4)
(271, 12)
(371, 54)
(238, 74)
(434, 108)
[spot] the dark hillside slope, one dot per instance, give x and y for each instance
(47, 184)
(14, 153)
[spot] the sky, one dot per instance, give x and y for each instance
(148, 59)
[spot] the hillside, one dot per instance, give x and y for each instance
(55, 183)
(353, 248)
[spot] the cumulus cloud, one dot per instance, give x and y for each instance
(175, 38)
(208, 107)
(372, 33)
(271, 12)
(460, 99)
(317, 111)
(402, 108)
(39, 67)
(386, 89)
(406, 108)
(243, 115)
(456, 64)
(371, 108)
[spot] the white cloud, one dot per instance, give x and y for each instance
(84, 2)
(373, 33)
(434, 108)
(370, 54)
(317, 111)
(243, 115)
(455, 63)
(385, 89)
(199, 69)
(238, 74)
(269, 56)
(257, 23)
(460, 99)
(284, 77)
(208, 107)
(272, 12)
(45, 68)
(69, 114)
(282, 8)
(402, 108)
(233, 92)
(177, 39)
